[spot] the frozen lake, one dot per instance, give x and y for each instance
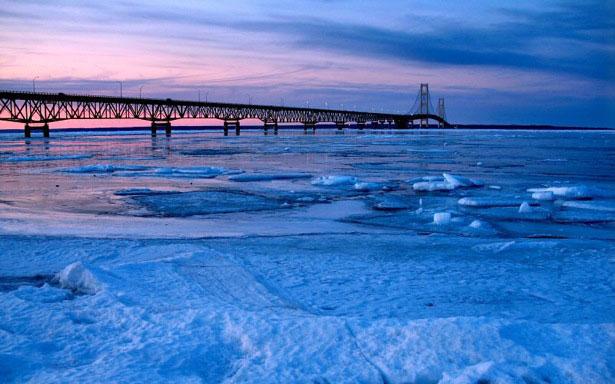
(419, 257)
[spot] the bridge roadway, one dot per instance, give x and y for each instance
(36, 110)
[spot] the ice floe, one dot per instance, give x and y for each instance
(525, 208)
(370, 186)
(334, 180)
(248, 177)
(148, 171)
(432, 186)
(183, 204)
(446, 182)
(104, 168)
(77, 278)
(425, 178)
(585, 216)
(442, 218)
(570, 192)
(543, 195)
(460, 181)
(487, 202)
(481, 226)
(604, 206)
(18, 159)
(187, 172)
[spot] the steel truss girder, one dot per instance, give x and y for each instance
(31, 107)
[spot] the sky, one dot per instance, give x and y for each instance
(501, 62)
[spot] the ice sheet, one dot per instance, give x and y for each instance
(199, 258)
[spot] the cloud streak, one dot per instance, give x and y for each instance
(506, 44)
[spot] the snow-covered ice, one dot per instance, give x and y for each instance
(308, 259)
(543, 195)
(103, 168)
(571, 192)
(78, 279)
(248, 177)
(525, 208)
(431, 186)
(442, 218)
(487, 202)
(460, 181)
(369, 186)
(447, 182)
(334, 180)
(177, 172)
(608, 206)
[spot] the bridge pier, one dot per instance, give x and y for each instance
(374, 124)
(164, 124)
(340, 126)
(307, 125)
(360, 125)
(270, 123)
(401, 123)
(232, 123)
(28, 130)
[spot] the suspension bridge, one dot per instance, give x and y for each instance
(36, 110)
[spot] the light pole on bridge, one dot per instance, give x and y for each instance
(140, 92)
(206, 96)
(34, 84)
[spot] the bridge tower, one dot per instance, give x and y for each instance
(441, 111)
(424, 104)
